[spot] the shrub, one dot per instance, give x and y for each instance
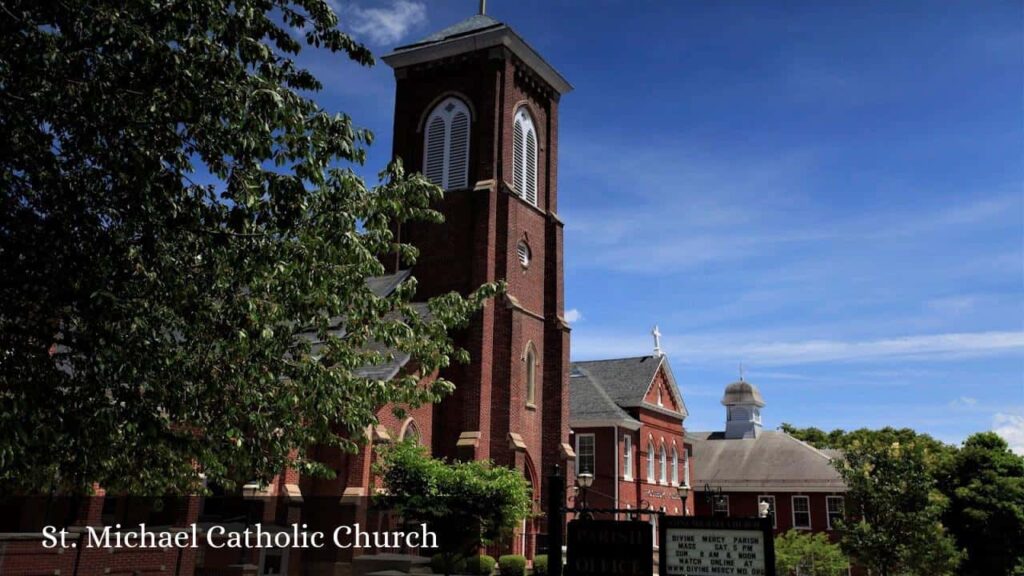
(512, 565)
(480, 565)
(540, 565)
(447, 563)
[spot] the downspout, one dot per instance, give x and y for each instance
(615, 458)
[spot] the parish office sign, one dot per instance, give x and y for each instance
(609, 548)
(700, 546)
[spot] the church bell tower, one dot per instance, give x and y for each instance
(476, 111)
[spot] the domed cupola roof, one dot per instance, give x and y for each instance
(742, 392)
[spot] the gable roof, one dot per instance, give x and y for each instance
(626, 381)
(773, 461)
(590, 405)
(478, 32)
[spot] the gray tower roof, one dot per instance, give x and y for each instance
(742, 392)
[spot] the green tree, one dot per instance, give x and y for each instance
(895, 509)
(179, 234)
(468, 504)
(986, 512)
(807, 554)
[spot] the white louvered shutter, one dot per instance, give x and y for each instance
(434, 149)
(524, 253)
(531, 167)
(518, 157)
(458, 151)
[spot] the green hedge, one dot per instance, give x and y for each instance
(512, 565)
(447, 563)
(540, 565)
(480, 565)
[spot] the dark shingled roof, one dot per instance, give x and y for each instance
(589, 401)
(381, 286)
(474, 23)
(626, 380)
(774, 461)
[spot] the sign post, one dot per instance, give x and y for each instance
(556, 521)
(705, 546)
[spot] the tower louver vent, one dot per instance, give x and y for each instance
(446, 145)
(524, 157)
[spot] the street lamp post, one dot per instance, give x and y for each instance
(584, 481)
(684, 492)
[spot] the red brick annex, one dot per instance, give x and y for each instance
(476, 111)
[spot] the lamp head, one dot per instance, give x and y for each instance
(585, 480)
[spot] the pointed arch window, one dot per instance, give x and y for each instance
(627, 457)
(675, 466)
(650, 462)
(531, 374)
(663, 477)
(446, 145)
(524, 156)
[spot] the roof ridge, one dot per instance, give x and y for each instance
(612, 359)
(802, 443)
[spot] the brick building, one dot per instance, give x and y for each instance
(750, 465)
(476, 111)
(627, 418)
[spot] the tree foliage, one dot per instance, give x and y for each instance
(986, 512)
(468, 504)
(176, 211)
(895, 509)
(806, 554)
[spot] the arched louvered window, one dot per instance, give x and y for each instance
(446, 145)
(524, 156)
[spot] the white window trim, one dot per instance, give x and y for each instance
(627, 457)
(663, 463)
(675, 465)
(530, 360)
(686, 466)
(650, 461)
(792, 503)
(579, 454)
(525, 119)
(828, 508)
(774, 510)
(447, 118)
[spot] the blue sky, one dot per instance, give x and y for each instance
(829, 193)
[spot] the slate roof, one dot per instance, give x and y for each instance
(381, 286)
(603, 389)
(589, 402)
(774, 461)
(475, 23)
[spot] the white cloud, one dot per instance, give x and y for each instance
(963, 402)
(1011, 428)
(734, 346)
(389, 24)
(573, 315)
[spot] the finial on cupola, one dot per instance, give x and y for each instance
(657, 341)
(483, 7)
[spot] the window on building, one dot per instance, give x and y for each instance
(686, 467)
(446, 145)
(675, 466)
(523, 251)
(771, 508)
(531, 374)
(802, 512)
(661, 401)
(835, 507)
(663, 460)
(411, 433)
(650, 462)
(585, 453)
(627, 457)
(721, 506)
(524, 156)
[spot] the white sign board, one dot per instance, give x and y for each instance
(716, 547)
